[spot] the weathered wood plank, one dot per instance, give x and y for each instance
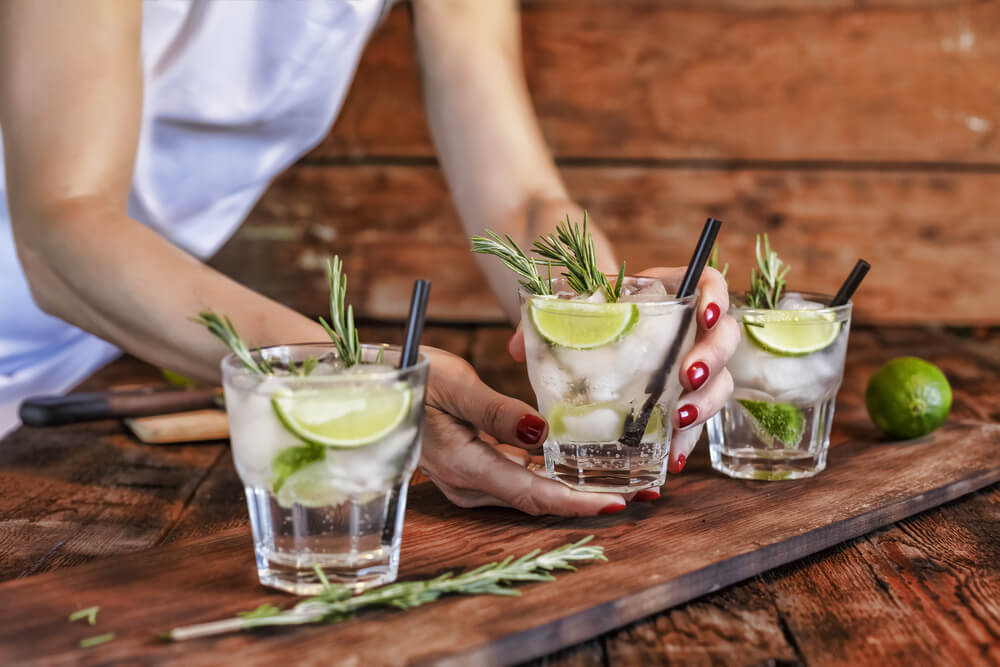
(922, 592)
(900, 81)
(931, 237)
(74, 493)
(737, 626)
(721, 531)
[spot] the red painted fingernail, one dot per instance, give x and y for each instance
(530, 429)
(681, 460)
(712, 312)
(611, 509)
(647, 494)
(697, 374)
(686, 415)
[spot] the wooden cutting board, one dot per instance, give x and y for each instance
(705, 533)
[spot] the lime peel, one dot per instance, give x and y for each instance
(342, 417)
(792, 333)
(581, 325)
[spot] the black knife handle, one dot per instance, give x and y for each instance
(72, 408)
(56, 410)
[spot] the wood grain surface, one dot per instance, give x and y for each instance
(898, 81)
(939, 567)
(931, 238)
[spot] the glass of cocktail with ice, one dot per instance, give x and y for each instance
(786, 372)
(325, 456)
(592, 365)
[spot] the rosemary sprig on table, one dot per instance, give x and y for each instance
(767, 281)
(514, 259)
(342, 332)
(572, 248)
(335, 603)
(223, 329)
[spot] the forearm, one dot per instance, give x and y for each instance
(109, 275)
(491, 148)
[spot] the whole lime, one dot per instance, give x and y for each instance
(908, 397)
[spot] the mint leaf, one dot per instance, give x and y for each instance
(291, 460)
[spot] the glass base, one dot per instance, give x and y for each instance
(751, 464)
(292, 578)
(355, 540)
(607, 467)
(738, 447)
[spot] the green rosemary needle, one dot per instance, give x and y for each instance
(572, 248)
(767, 280)
(336, 604)
(341, 327)
(224, 330)
(514, 259)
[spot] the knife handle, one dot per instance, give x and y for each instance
(72, 408)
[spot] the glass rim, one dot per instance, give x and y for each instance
(735, 297)
(232, 363)
(524, 294)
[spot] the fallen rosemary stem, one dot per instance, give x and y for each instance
(335, 603)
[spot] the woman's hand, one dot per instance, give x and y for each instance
(474, 447)
(703, 374)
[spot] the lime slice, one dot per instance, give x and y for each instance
(908, 397)
(342, 416)
(582, 325)
(792, 333)
(776, 421)
(310, 486)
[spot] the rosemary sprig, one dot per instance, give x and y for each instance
(713, 262)
(515, 259)
(767, 281)
(342, 332)
(224, 330)
(335, 603)
(572, 248)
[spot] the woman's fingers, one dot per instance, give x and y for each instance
(515, 346)
(505, 480)
(681, 446)
(694, 408)
(709, 354)
(457, 390)
(714, 300)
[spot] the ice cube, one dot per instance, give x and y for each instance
(795, 301)
(651, 291)
(601, 424)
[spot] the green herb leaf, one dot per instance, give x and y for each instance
(290, 461)
(97, 640)
(262, 611)
(336, 604)
(713, 261)
(514, 259)
(89, 613)
(341, 328)
(572, 247)
(767, 280)
(224, 330)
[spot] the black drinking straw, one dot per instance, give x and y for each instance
(635, 426)
(846, 290)
(415, 323)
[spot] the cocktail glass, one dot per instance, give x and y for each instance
(325, 460)
(593, 367)
(786, 372)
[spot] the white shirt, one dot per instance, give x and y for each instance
(235, 91)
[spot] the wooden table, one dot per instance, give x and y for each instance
(925, 590)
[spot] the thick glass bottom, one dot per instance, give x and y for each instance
(739, 448)
(607, 467)
(354, 542)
